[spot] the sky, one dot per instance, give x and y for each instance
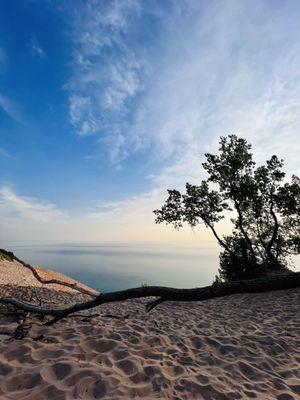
(104, 105)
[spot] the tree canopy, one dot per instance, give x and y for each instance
(264, 210)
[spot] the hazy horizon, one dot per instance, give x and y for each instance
(114, 266)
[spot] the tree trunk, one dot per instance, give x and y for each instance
(266, 284)
(240, 224)
(271, 258)
(220, 241)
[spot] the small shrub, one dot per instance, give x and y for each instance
(6, 255)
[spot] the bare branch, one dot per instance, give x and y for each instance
(220, 241)
(241, 226)
(276, 282)
(154, 303)
(275, 229)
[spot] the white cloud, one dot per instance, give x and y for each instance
(125, 83)
(36, 48)
(106, 70)
(81, 115)
(127, 220)
(124, 210)
(132, 219)
(9, 107)
(4, 153)
(20, 207)
(215, 69)
(226, 69)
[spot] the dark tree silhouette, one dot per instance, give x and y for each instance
(266, 211)
(265, 232)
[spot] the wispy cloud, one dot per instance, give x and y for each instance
(14, 206)
(126, 209)
(9, 107)
(82, 116)
(130, 219)
(225, 70)
(106, 69)
(4, 153)
(213, 69)
(36, 48)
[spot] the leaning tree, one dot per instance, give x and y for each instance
(265, 232)
(264, 210)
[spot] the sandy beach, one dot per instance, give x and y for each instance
(236, 347)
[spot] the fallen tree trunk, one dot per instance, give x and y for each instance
(266, 284)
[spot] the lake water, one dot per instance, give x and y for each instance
(119, 266)
(113, 267)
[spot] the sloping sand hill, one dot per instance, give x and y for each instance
(14, 273)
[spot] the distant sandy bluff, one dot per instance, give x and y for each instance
(14, 273)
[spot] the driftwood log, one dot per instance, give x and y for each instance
(162, 294)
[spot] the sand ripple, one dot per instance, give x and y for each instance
(239, 347)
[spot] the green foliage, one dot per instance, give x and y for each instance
(218, 281)
(238, 263)
(6, 255)
(265, 211)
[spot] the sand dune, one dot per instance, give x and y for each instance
(16, 274)
(238, 347)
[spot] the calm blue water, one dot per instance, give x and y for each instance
(119, 266)
(114, 267)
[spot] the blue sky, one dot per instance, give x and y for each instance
(106, 104)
